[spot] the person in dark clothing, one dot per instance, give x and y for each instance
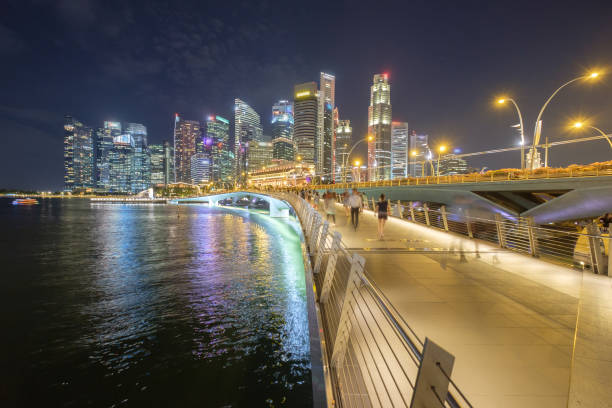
(382, 208)
(354, 201)
(605, 220)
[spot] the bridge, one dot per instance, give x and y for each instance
(277, 208)
(552, 195)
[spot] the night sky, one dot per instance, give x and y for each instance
(447, 61)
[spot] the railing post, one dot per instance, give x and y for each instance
(501, 236)
(533, 242)
(400, 213)
(331, 267)
(412, 212)
(344, 326)
(468, 224)
(426, 210)
(320, 247)
(595, 244)
(373, 204)
(444, 217)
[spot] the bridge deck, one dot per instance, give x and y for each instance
(509, 319)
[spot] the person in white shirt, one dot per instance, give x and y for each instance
(356, 204)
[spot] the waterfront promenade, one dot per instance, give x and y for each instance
(509, 319)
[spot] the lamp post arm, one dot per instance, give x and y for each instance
(520, 120)
(604, 134)
(348, 156)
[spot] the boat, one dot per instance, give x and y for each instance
(25, 201)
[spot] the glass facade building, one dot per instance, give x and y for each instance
(104, 145)
(259, 155)
(399, 150)
(282, 120)
(186, 134)
(201, 168)
(141, 177)
(344, 137)
(325, 125)
(79, 162)
(157, 164)
(168, 163)
(121, 162)
(247, 128)
(217, 130)
(305, 121)
(419, 154)
(451, 164)
(283, 149)
(379, 127)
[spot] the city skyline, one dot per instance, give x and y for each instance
(444, 83)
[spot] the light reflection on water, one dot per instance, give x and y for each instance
(138, 306)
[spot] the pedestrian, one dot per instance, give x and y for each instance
(345, 203)
(605, 220)
(330, 206)
(382, 208)
(356, 205)
(316, 200)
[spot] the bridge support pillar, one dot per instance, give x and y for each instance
(426, 210)
(468, 224)
(595, 249)
(533, 242)
(444, 217)
(412, 212)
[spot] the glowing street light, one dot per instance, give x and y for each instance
(578, 125)
(441, 149)
(502, 101)
(538, 126)
(346, 159)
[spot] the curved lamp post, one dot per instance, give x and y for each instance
(502, 101)
(346, 160)
(579, 125)
(441, 150)
(538, 129)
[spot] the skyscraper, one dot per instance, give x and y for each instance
(157, 164)
(121, 162)
(283, 148)
(399, 150)
(282, 120)
(259, 155)
(344, 137)
(247, 127)
(201, 168)
(103, 147)
(217, 129)
(79, 164)
(379, 126)
(186, 133)
(168, 163)
(305, 121)
(419, 150)
(451, 165)
(141, 177)
(325, 125)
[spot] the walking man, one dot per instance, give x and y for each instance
(356, 205)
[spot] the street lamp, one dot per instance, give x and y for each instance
(346, 160)
(579, 125)
(357, 163)
(501, 101)
(441, 150)
(538, 127)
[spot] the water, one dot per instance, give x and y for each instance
(127, 305)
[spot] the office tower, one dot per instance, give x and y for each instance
(141, 179)
(217, 129)
(344, 137)
(283, 149)
(419, 153)
(451, 165)
(325, 125)
(282, 120)
(259, 155)
(79, 164)
(121, 162)
(186, 133)
(201, 168)
(103, 147)
(336, 119)
(158, 174)
(247, 128)
(399, 150)
(379, 127)
(305, 113)
(168, 163)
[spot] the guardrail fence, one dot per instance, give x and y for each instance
(374, 358)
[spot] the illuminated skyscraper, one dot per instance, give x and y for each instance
(186, 133)
(103, 147)
(419, 153)
(283, 148)
(157, 164)
(379, 126)
(217, 130)
(201, 168)
(451, 165)
(121, 162)
(282, 120)
(399, 150)
(325, 125)
(305, 121)
(247, 128)
(168, 163)
(141, 177)
(79, 163)
(259, 155)
(344, 137)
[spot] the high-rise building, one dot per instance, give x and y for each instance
(325, 125)
(451, 164)
(259, 155)
(399, 150)
(103, 146)
(305, 121)
(344, 137)
(168, 163)
(419, 154)
(141, 178)
(217, 129)
(282, 120)
(247, 128)
(379, 126)
(201, 168)
(121, 162)
(186, 134)
(283, 148)
(158, 174)
(79, 163)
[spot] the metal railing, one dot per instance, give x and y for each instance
(373, 356)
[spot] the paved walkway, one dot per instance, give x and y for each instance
(509, 319)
